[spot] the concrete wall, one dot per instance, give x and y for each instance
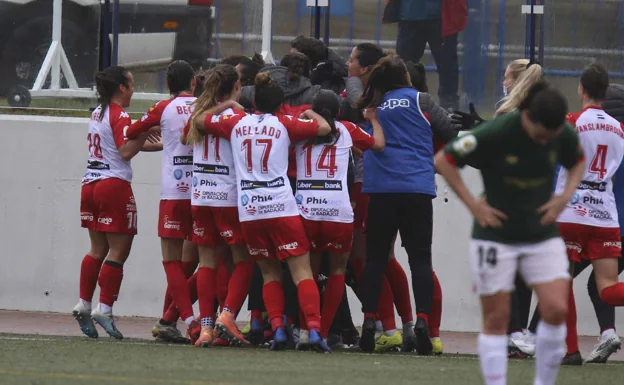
(42, 244)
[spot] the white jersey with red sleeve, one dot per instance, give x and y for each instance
(106, 136)
(602, 138)
(322, 193)
(214, 172)
(260, 146)
(177, 158)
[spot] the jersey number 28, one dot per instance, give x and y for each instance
(598, 165)
(95, 146)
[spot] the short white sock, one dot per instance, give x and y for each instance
(390, 333)
(493, 357)
(86, 304)
(516, 335)
(189, 320)
(105, 308)
(549, 350)
(378, 326)
(607, 333)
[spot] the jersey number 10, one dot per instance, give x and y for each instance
(598, 165)
(325, 162)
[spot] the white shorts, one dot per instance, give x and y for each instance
(494, 265)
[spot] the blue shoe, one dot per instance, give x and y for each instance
(317, 343)
(279, 340)
(256, 334)
(83, 316)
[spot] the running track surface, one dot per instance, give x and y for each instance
(19, 322)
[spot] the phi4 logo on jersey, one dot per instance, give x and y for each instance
(244, 200)
(178, 174)
(575, 199)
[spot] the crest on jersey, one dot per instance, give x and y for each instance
(215, 118)
(511, 159)
(465, 145)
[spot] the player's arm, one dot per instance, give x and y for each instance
(127, 148)
(440, 121)
(216, 110)
(323, 128)
(363, 140)
(153, 142)
(457, 154)
(150, 119)
(220, 125)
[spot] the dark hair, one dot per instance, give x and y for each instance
(200, 79)
(314, 49)
(545, 105)
(180, 76)
(268, 95)
(418, 76)
(249, 66)
(107, 84)
(298, 65)
(326, 104)
(369, 54)
(389, 74)
(595, 81)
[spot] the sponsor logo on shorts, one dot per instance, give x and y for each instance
(132, 200)
(171, 225)
(600, 214)
(227, 234)
(251, 185)
(579, 210)
(85, 216)
(319, 185)
(274, 208)
(253, 251)
(184, 160)
(97, 165)
(574, 246)
(290, 246)
(183, 187)
(336, 246)
(597, 186)
(105, 221)
(211, 169)
(131, 207)
(199, 231)
(613, 244)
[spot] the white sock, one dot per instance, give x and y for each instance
(105, 308)
(189, 320)
(549, 350)
(86, 304)
(390, 333)
(378, 326)
(493, 357)
(607, 333)
(516, 335)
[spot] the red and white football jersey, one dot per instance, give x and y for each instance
(105, 137)
(177, 158)
(322, 193)
(214, 172)
(260, 147)
(602, 138)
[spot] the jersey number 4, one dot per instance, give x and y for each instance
(325, 162)
(95, 146)
(267, 144)
(598, 165)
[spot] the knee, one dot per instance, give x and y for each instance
(555, 313)
(496, 322)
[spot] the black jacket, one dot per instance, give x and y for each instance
(614, 102)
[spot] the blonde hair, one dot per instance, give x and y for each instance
(529, 77)
(220, 82)
(517, 68)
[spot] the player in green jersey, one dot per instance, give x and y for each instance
(514, 225)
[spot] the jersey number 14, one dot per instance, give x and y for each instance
(598, 165)
(325, 162)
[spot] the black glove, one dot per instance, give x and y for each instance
(467, 121)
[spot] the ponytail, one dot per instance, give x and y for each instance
(326, 104)
(298, 65)
(107, 84)
(519, 92)
(389, 74)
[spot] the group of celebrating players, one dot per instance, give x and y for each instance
(268, 178)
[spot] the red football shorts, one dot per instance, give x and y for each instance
(282, 237)
(108, 206)
(591, 242)
(215, 226)
(174, 219)
(335, 237)
(360, 211)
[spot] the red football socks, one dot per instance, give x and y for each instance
(334, 290)
(239, 285)
(109, 280)
(613, 295)
(89, 272)
(206, 288)
(572, 336)
(223, 277)
(400, 290)
(189, 268)
(385, 306)
(436, 308)
(273, 296)
(179, 289)
(310, 303)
